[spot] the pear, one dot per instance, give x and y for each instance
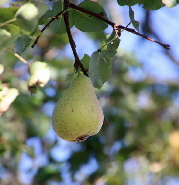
(39, 74)
(78, 114)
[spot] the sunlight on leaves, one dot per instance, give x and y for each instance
(89, 23)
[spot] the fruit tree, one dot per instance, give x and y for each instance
(89, 92)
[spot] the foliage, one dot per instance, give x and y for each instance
(144, 133)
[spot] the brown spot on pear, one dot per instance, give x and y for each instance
(73, 119)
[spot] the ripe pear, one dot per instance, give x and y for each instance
(78, 114)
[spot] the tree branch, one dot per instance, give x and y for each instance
(18, 56)
(47, 25)
(157, 36)
(99, 16)
(78, 63)
(116, 26)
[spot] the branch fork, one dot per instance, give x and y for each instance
(116, 28)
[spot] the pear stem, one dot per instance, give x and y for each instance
(106, 122)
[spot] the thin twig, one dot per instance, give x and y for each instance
(8, 22)
(77, 64)
(114, 26)
(73, 6)
(118, 32)
(18, 56)
(166, 46)
(116, 36)
(47, 25)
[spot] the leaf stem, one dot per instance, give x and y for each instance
(7, 22)
(18, 56)
(116, 36)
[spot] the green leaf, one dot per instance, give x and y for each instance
(37, 126)
(134, 22)
(85, 61)
(148, 4)
(58, 26)
(152, 4)
(42, 8)
(46, 173)
(75, 164)
(9, 35)
(27, 17)
(99, 69)
(89, 23)
(5, 35)
(7, 14)
(112, 46)
(22, 43)
(127, 2)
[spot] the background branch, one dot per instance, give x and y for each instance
(148, 29)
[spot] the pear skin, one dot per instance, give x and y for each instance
(78, 114)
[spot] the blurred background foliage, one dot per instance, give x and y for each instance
(141, 145)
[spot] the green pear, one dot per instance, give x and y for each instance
(78, 114)
(39, 74)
